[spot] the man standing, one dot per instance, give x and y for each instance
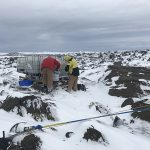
(73, 72)
(48, 66)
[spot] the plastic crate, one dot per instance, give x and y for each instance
(30, 65)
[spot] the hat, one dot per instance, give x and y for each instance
(67, 57)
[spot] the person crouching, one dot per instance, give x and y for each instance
(48, 66)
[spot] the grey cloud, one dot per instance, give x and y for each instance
(35, 25)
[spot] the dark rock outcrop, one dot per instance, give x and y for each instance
(129, 78)
(94, 135)
(32, 104)
(118, 122)
(68, 134)
(144, 115)
(128, 101)
(31, 142)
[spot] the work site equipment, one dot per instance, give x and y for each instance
(40, 127)
(138, 109)
(31, 66)
(25, 83)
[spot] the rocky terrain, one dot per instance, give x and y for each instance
(114, 81)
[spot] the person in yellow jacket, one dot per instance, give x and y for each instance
(73, 72)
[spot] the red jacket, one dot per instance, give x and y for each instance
(50, 63)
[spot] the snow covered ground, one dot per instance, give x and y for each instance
(81, 104)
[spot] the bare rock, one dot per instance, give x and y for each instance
(31, 142)
(33, 105)
(94, 135)
(128, 101)
(144, 115)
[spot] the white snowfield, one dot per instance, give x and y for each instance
(76, 105)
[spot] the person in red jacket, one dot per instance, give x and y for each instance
(48, 66)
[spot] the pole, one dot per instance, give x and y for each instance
(90, 118)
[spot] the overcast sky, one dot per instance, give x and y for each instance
(71, 25)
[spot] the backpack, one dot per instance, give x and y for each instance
(81, 87)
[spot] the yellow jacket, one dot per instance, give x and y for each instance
(72, 66)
